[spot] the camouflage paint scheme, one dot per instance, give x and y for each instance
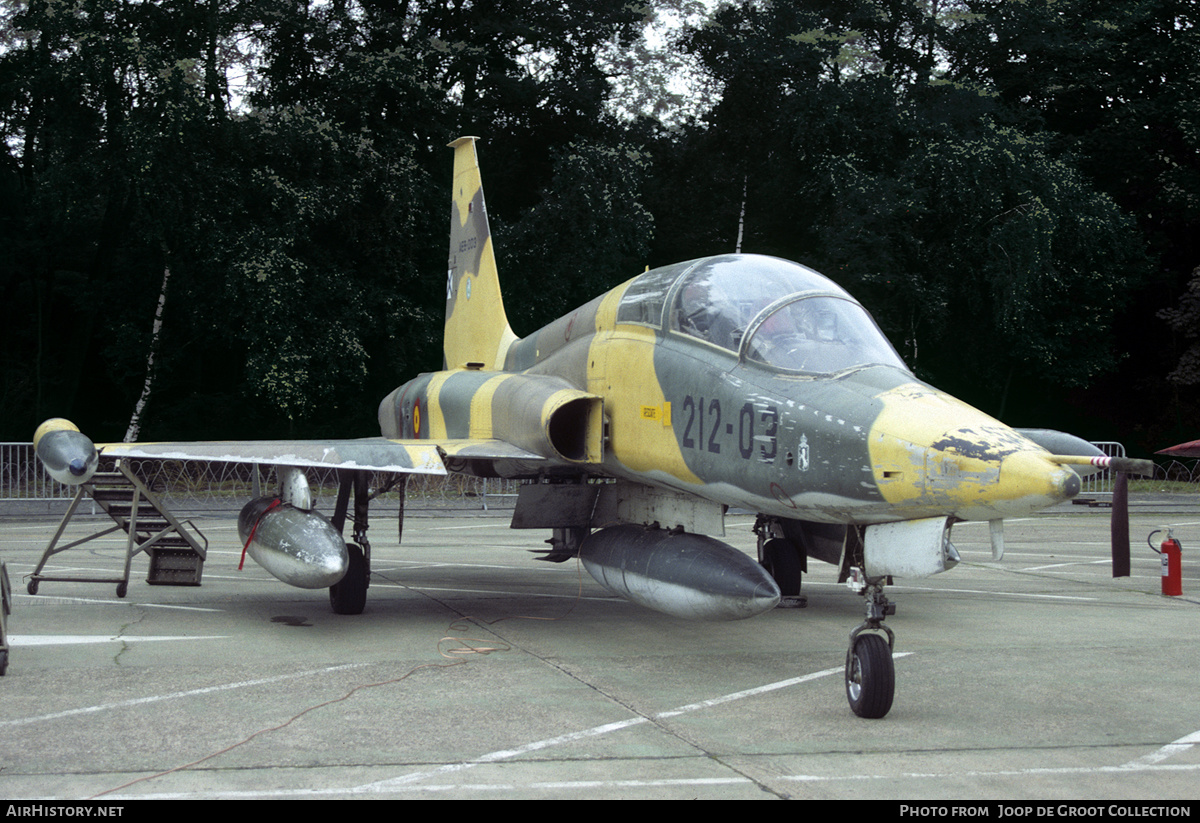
(734, 380)
(627, 387)
(865, 444)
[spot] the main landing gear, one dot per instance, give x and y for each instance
(783, 560)
(870, 671)
(349, 595)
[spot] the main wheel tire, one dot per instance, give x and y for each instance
(782, 561)
(870, 676)
(349, 595)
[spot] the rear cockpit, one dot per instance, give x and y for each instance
(767, 311)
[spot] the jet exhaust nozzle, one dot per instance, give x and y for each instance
(683, 575)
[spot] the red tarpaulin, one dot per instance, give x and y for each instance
(1191, 449)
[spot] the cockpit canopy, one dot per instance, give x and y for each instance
(764, 309)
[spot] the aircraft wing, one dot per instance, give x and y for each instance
(372, 453)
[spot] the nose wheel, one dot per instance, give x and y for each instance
(870, 676)
(870, 671)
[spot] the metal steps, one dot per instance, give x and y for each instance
(177, 549)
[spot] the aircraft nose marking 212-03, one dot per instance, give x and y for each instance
(639, 418)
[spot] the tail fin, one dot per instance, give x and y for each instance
(477, 333)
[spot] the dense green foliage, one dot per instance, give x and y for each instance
(1013, 188)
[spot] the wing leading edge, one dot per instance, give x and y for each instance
(372, 454)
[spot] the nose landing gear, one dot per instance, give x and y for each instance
(870, 671)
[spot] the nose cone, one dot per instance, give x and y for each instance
(1029, 481)
(935, 455)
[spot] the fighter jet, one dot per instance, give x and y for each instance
(639, 419)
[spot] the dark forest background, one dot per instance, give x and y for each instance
(1012, 187)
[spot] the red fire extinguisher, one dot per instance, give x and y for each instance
(1172, 563)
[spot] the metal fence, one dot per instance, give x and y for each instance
(1174, 471)
(22, 477)
(199, 485)
(1102, 481)
(203, 485)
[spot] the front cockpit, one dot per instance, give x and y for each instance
(767, 311)
(817, 334)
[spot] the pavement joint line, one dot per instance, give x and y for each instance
(404, 782)
(507, 754)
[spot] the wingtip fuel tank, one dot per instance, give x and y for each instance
(67, 454)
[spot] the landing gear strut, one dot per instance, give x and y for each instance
(783, 561)
(349, 595)
(870, 671)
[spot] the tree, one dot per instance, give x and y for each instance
(1115, 85)
(589, 232)
(106, 107)
(1114, 89)
(983, 251)
(988, 258)
(301, 216)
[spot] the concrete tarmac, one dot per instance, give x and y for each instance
(478, 673)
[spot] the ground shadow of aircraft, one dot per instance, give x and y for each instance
(640, 418)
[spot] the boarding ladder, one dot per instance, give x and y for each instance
(176, 549)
